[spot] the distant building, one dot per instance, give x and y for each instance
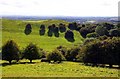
(91, 21)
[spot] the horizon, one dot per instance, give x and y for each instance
(50, 16)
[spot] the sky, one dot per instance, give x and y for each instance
(59, 7)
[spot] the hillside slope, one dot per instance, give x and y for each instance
(14, 29)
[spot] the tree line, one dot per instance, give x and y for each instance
(103, 50)
(85, 30)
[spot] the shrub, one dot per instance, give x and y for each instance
(31, 52)
(118, 25)
(85, 30)
(88, 40)
(72, 53)
(108, 26)
(69, 35)
(62, 49)
(92, 35)
(55, 56)
(10, 51)
(100, 30)
(114, 32)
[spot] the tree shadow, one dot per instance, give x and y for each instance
(70, 40)
(14, 63)
(101, 66)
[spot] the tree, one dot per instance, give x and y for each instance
(42, 27)
(56, 31)
(114, 32)
(69, 35)
(50, 31)
(62, 27)
(28, 29)
(84, 31)
(42, 30)
(108, 26)
(10, 51)
(87, 29)
(62, 49)
(102, 51)
(31, 52)
(72, 26)
(55, 56)
(72, 53)
(92, 35)
(101, 30)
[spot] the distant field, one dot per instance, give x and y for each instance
(14, 29)
(65, 69)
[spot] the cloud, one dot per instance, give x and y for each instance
(59, 7)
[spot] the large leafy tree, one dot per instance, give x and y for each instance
(31, 52)
(10, 51)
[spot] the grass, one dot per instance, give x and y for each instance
(65, 69)
(14, 29)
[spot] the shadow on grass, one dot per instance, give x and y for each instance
(113, 67)
(70, 40)
(14, 63)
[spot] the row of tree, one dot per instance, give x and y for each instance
(52, 29)
(103, 50)
(10, 51)
(86, 30)
(97, 30)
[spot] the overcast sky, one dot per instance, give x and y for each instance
(59, 7)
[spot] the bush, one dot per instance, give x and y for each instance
(92, 35)
(114, 32)
(10, 51)
(55, 56)
(88, 40)
(62, 49)
(69, 35)
(72, 53)
(28, 29)
(100, 30)
(108, 26)
(31, 52)
(85, 30)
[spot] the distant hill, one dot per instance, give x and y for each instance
(66, 18)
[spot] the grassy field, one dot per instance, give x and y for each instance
(65, 69)
(14, 29)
